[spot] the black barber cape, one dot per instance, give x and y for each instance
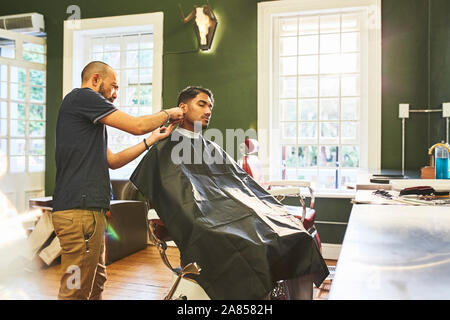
(242, 238)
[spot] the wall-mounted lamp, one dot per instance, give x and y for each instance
(204, 25)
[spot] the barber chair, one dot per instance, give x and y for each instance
(127, 222)
(183, 286)
(282, 189)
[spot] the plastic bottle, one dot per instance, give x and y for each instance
(441, 156)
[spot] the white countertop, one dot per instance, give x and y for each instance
(394, 252)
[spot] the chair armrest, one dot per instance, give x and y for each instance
(285, 188)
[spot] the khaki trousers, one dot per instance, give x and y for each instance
(81, 234)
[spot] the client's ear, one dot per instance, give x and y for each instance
(183, 107)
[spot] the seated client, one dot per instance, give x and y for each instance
(243, 239)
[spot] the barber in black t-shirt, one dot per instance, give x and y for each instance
(82, 190)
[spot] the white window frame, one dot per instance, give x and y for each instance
(137, 23)
(19, 187)
(267, 12)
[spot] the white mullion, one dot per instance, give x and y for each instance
(339, 159)
(297, 126)
(318, 98)
(27, 119)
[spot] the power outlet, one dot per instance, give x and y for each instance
(446, 109)
(403, 110)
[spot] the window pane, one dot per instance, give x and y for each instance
(330, 43)
(289, 156)
(4, 90)
(329, 130)
(309, 175)
(3, 72)
(350, 156)
(145, 76)
(132, 96)
(350, 42)
(350, 86)
(3, 127)
(18, 111)
(309, 25)
(3, 148)
(348, 177)
(18, 75)
(308, 109)
(307, 130)
(37, 77)
(288, 110)
(308, 44)
(37, 112)
(34, 47)
(17, 147)
(350, 108)
(37, 94)
(132, 59)
(3, 110)
(307, 156)
(328, 156)
(330, 63)
(289, 130)
(97, 44)
(330, 24)
(17, 164)
(288, 27)
(17, 128)
(132, 76)
(308, 86)
(111, 44)
(37, 147)
(329, 110)
(145, 95)
(350, 62)
(36, 164)
(33, 57)
(7, 48)
(288, 46)
(328, 178)
(288, 66)
(351, 22)
(18, 91)
(329, 86)
(288, 87)
(145, 58)
(97, 56)
(349, 130)
(146, 41)
(37, 129)
(132, 42)
(308, 65)
(112, 58)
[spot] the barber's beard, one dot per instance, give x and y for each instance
(101, 90)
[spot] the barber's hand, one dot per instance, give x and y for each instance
(176, 114)
(160, 133)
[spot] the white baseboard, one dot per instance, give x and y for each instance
(331, 251)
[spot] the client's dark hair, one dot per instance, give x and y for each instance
(190, 93)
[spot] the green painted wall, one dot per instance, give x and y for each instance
(230, 71)
(415, 70)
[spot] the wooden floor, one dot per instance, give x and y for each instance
(141, 276)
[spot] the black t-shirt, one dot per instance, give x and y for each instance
(82, 174)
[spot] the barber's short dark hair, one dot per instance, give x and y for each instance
(94, 67)
(191, 92)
